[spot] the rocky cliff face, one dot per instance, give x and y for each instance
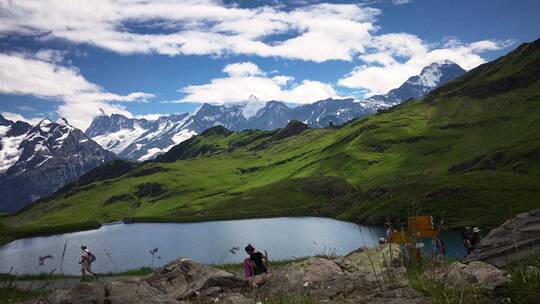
(38, 160)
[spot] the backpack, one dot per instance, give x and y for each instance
(91, 257)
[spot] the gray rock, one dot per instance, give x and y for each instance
(348, 279)
(235, 298)
(486, 276)
(185, 279)
(516, 238)
(134, 291)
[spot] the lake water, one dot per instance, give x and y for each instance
(128, 245)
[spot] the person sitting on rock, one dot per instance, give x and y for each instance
(86, 261)
(248, 268)
(258, 260)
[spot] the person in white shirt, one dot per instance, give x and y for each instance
(86, 261)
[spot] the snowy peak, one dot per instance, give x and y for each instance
(37, 160)
(62, 121)
(434, 74)
(431, 77)
(5, 122)
(11, 136)
(139, 139)
(252, 106)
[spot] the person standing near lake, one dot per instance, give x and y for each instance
(474, 238)
(257, 259)
(466, 235)
(87, 258)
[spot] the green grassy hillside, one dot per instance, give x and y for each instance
(469, 152)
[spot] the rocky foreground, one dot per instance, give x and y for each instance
(513, 240)
(363, 276)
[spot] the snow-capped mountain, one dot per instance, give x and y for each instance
(431, 77)
(140, 139)
(321, 113)
(37, 160)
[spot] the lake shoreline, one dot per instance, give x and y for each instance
(10, 233)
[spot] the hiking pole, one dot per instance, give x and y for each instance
(62, 259)
(110, 259)
(267, 263)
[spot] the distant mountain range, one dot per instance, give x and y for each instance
(37, 160)
(141, 139)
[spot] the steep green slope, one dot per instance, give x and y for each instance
(469, 152)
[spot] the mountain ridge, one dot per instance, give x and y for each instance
(141, 139)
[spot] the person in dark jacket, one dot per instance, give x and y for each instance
(466, 235)
(474, 238)
(257, 259)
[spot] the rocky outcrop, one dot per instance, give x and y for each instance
(347, 279)
(487, 277)
(516, 238)
(363, 276)
(293, 128)
(185, 279)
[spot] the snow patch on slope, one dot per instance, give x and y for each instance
(116, 142)
(10, 152)
(177, 138)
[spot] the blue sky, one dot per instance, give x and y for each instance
(167, 57)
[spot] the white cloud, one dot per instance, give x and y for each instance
(80, 99)
(15, 117)
(312, 31)
(242, 69)
(282, 80)
(393, 58)
(401, 2)
(50, 55)
(240, 86)
(316, 32)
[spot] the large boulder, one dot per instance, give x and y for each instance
(516, 238)
(487, 277)
(186, 279)
(375, 264)
(350, 279)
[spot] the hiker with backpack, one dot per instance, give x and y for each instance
(257, 260)
(87, 258)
